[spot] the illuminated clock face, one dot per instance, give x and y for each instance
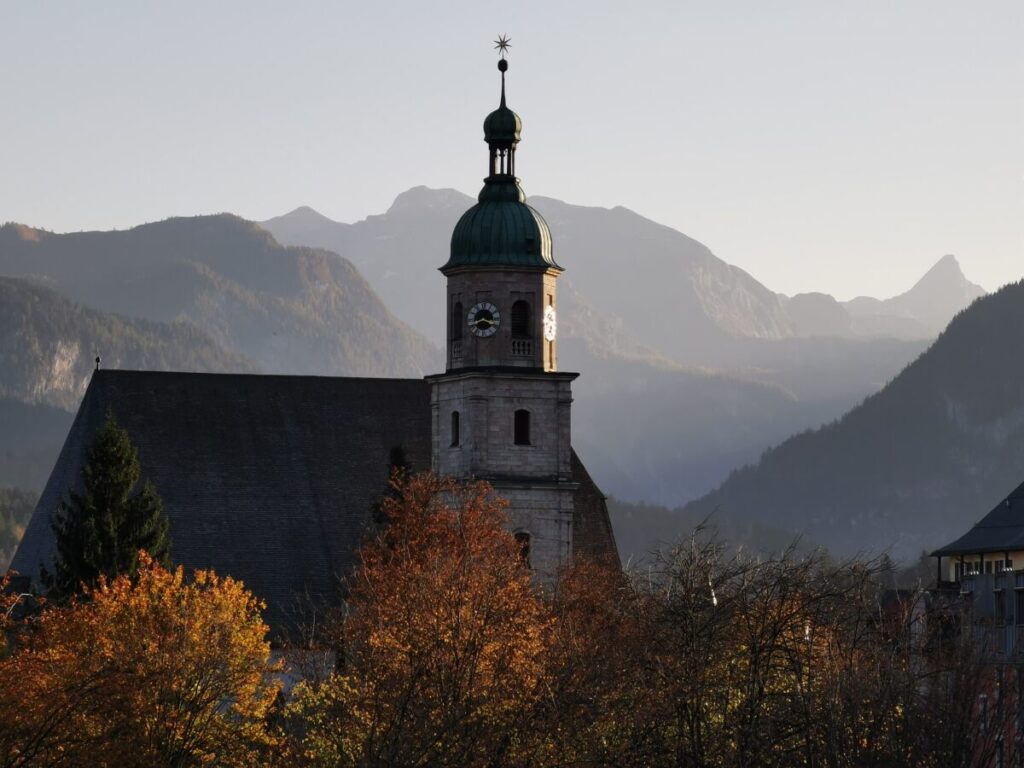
(483, 319)
(550, 323)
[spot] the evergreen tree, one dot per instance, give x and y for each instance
(100, 531)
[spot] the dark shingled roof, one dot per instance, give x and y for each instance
(271, 479)
(1001, 530)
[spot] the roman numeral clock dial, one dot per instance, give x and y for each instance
(483, 319)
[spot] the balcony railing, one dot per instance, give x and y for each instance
(522, 347)
(456, 351)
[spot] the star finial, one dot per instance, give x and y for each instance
(502, 44)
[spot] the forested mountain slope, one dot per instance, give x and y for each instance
(915, 464)
(48, 345)
(290, 310)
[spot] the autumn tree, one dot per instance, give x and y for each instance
(445, 640)
(156, 670)
(597, 705)
(101, 531)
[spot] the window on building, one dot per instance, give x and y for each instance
(522, 427)
(522, 321)
(523, 540)
(455, 428)
(457, 321)
(988, 566)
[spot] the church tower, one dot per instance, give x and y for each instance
(501, 410)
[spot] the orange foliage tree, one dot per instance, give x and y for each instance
(444, 643)
(596, 710)
(156, 670)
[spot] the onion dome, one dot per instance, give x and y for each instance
(502, 126)
(501, 230)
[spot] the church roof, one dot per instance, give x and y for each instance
(271, 479)
(1001, 530)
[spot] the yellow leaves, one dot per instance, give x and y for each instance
(140, 672)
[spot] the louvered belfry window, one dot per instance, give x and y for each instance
(521, 320)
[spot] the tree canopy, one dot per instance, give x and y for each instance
(156, 670)
(100, 531)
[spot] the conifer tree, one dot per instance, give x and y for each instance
(100, 531)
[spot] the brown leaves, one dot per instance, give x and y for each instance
(445, 638)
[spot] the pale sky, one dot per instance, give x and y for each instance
(833, 146)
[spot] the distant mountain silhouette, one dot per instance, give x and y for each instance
(818, 314)
(917, 463)
(666, 297)
(922, 311)
(716, 307)
(690, 366)
(290, 310)
(709, 299)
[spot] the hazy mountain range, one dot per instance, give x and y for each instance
(289, 310)
(630, 269)
(916, 464)
(690, 367)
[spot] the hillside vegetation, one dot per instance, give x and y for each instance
(289, 310)
(15, 509)
(914, 465)
(48, 345)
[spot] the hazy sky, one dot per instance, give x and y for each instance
(836, 146)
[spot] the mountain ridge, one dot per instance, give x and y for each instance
(913, 464)
(286, 308)
(725, 302)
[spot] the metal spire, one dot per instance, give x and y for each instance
(502, 44)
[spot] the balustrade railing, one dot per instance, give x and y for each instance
(522, 347)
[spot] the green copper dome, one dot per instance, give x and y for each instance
(502, 125)
(501, 230)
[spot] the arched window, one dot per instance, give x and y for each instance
(457, 321)
(455, 428)
(522, 427)
(522, 323)
(523, 540)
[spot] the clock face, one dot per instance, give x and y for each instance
(483, 319)
(550, 323)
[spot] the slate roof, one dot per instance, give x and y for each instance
(1001, 530)
(271, 479)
